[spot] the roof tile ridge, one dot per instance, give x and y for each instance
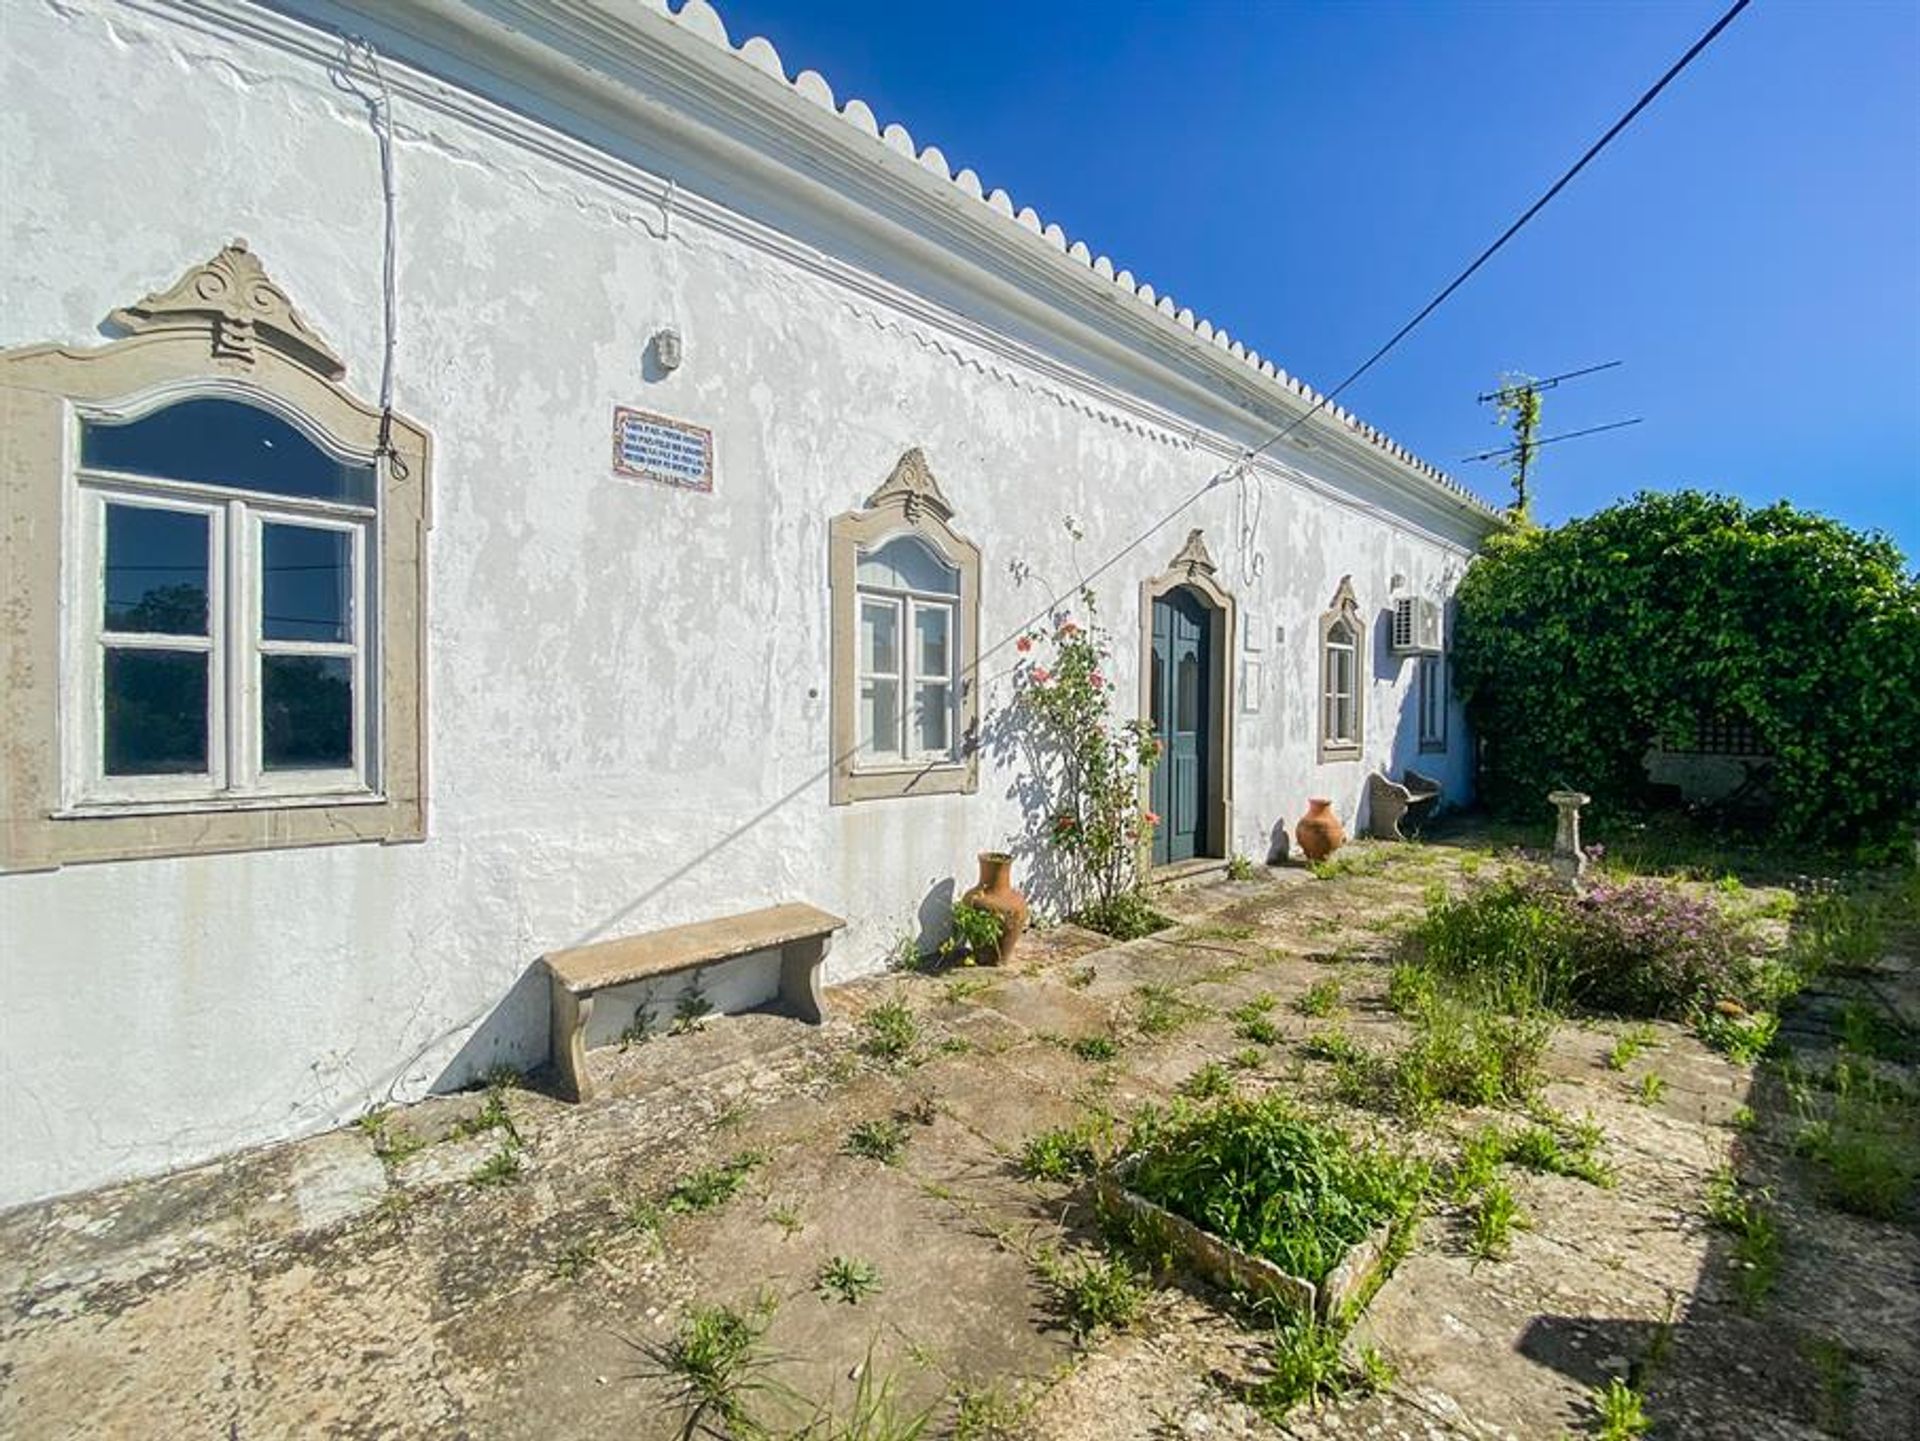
(701, 19)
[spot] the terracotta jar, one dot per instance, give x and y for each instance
(1319, 831)
(996, 893)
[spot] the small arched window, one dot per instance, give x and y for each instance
(210, 594)
(1342, 664)
(905, 637)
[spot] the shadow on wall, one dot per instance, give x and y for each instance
(513, 1033)
(935, 916)
(1009, 736)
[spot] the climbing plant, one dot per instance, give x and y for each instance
(1088, 763)
(1579, 645)
(1517, 406)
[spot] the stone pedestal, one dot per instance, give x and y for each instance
(1569, 861)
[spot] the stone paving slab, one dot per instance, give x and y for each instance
(370, 1283)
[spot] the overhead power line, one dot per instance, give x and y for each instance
(1548, 383)
(1619, 125)
(1514, 229)
(1536, 444)
(971, 671)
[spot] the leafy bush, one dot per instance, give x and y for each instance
(1275, 1184)
(1578, 646)
(1636, 948)
(976, 930)
(1647, 948)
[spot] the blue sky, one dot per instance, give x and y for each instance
(1307, 175)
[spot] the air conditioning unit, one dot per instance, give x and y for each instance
(1416, 625)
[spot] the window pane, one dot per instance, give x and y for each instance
(880, 717)
(156, 712)
(1341, 671)
(306, 712)
(932, 625)
(306, 583)
(156, 580)
(908, 563)
(1186, 685)
(934, 721)
(225, 442)
(879, 637)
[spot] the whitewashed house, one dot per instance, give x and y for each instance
(514, 542)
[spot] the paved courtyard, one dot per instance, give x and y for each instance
(495, 1265)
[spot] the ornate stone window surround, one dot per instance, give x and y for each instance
(910, 502)
(223, 331)
(1193, 568)
(1343, 647)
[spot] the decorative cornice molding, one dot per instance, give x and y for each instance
(426, 68)
(234, 298)
(912, 487)
(644, 63)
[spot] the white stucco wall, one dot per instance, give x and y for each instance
(628, 709)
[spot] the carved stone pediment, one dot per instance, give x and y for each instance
(1345, 602)
(233, 298)
(913, 488)
(1193, 558)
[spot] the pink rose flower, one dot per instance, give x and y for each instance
(1041, 675)
(1024, 644)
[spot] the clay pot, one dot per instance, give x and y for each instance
(996, 893)
(1319, 831)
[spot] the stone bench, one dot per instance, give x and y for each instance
(799, 932)
(1389, 802)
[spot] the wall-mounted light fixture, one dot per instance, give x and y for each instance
(667, 349)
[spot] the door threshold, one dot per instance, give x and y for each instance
(1196, 868)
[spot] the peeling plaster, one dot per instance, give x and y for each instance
(627, 696)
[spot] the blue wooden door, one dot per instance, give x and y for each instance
(1180, 686)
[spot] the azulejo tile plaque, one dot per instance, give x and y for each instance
(661, 449)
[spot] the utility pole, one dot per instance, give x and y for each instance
(1516, 403)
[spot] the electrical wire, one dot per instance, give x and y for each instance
(1512, 230)
(358, 54)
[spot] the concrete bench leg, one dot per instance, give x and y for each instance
(569, 1042)
(1387, 805)
(800, 963)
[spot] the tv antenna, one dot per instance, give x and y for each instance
(1517, 403)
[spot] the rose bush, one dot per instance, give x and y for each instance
(1090, 764)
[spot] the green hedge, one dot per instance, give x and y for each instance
(1577, 645)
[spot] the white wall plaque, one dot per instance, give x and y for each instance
(1251, 675)
(656, 447)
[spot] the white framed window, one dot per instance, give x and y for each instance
(905, 632)
(1340, 722)
(221, 610)
(1343, 660)
(212, 587)
(1431, 698)
(908, 599)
